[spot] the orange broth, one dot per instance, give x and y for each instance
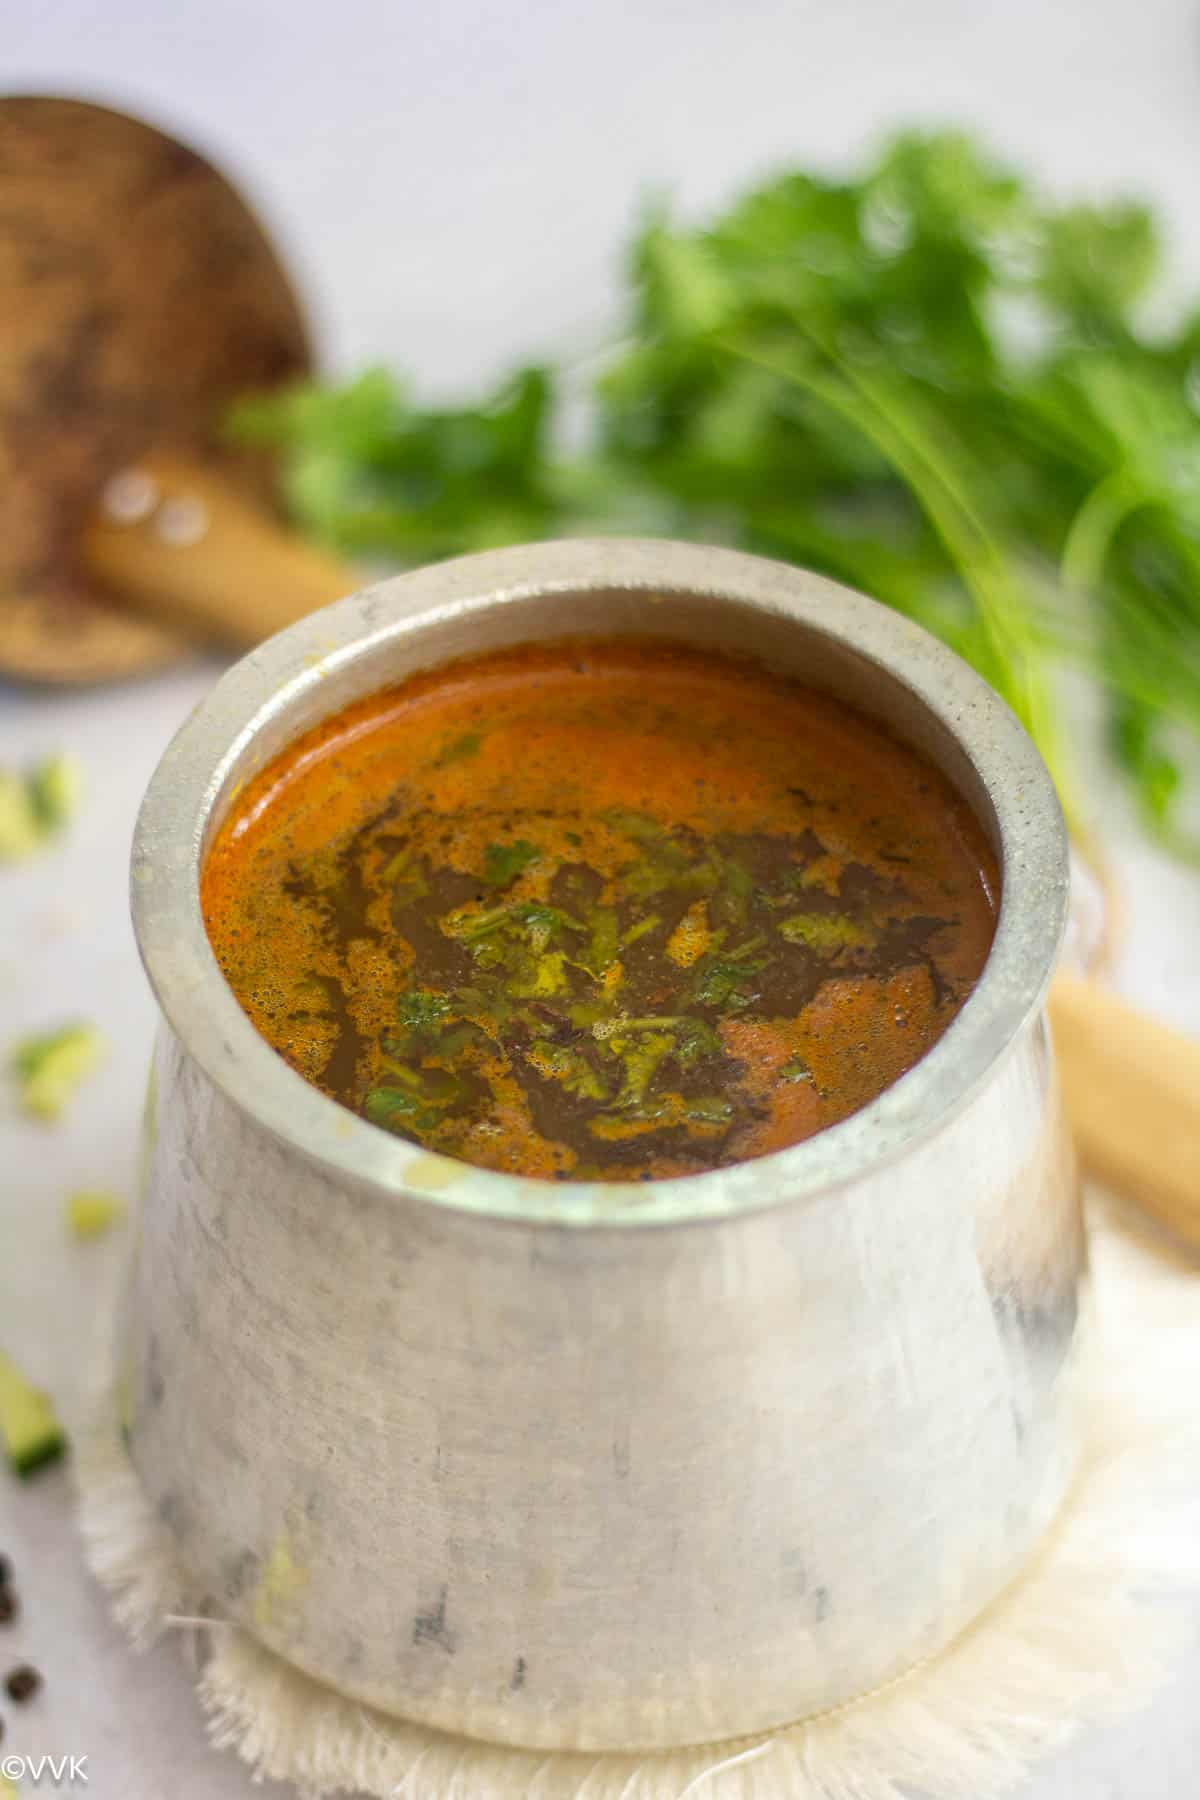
(600, 910)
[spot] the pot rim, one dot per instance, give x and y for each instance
(200, 1007)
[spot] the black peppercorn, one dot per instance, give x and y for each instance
(22, 1683)
(8, 1605)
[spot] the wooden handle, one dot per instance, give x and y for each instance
(1132, 1090)
(178, 541)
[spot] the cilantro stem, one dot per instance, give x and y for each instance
(970, 545)
(1094, 527)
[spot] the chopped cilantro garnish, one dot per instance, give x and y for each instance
(826, 933)
(469, 923)
(720, 982)
(604, 941)
(406, 877)
(638, 826)
(738, 952)
(398, 1110)
(570, 1068)
(420, 1009)
(711, 1110)
(696, 1038)
(641, 928)
(469, 744)
(460, 1037)
(400, 1073)
(615, 1025)
(640, 1058)
(534, 914)
(504, 862)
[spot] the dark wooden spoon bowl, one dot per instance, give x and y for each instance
(139, 297)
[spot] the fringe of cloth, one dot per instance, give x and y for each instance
(1085, 1634)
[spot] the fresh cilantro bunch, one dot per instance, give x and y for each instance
(370, 472)
(924, 381)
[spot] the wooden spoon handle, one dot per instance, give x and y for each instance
(1132, 1090)
(175, 539)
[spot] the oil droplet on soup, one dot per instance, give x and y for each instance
(605, 911)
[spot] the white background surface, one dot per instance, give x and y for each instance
(453, 183)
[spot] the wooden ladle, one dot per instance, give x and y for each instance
(140, 297)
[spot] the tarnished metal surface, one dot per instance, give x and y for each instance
(570, 1464)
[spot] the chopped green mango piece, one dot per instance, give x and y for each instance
(35, 806)
(54, 789)
(548, 977)
(50, 1066)
(29, 1426)
(20, 830)
(92, 1211)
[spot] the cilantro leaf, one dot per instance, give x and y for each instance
(421, 1010)
(504, 862)
(721, 983)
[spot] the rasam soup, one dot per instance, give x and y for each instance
(600, 910)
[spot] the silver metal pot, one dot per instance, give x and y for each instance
(579, 1465)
